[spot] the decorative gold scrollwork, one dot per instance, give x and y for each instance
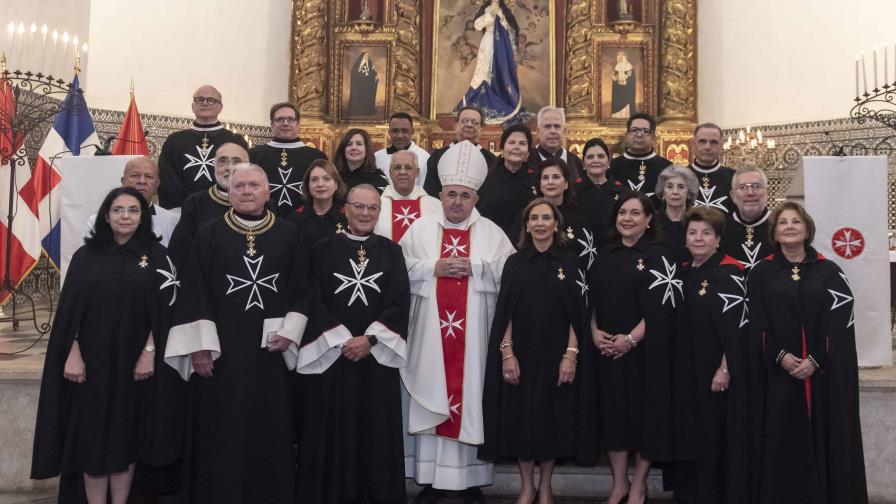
(308, 78)
(579, 82)
(678, 93)
(406, 61)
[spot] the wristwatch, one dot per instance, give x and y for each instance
(149, 348)
(372, 340)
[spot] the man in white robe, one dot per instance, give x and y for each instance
(401, 134)
(404, 201)
(454, 264)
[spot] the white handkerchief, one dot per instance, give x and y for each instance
(291, 355)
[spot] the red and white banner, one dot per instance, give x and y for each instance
(847, 198)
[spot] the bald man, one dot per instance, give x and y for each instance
(142, 174)
(187, 161)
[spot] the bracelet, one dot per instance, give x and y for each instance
(504, 344)
(631, 340)
(780, 357)
(507, 357)
(814, 362)
(571, 358)
(573, 350)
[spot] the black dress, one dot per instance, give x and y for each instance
(674, 235)
(537, 420)
(597, 203)
(113, 296)
(710, 427)
(812, 440)
(359, 176)
(628, 284)
(504, 195)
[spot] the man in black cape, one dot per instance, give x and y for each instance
(469, 126)
(715, 179)
(351, 448)
(187, 159)
(639, 167)
(746, 228)
(205, 206)
(551, 135)
(237, 326)
(285, 158)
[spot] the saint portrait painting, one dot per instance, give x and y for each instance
(622, 82)
(364, 74)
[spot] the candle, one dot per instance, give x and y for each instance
(759, 135)
(857, 77)
(886, 64)
(864, 75)
(874, 56)
(748, 129)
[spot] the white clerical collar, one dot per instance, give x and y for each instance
(460, 225)
(206, 127)
(736, 216)
(286, 145)
(416, 193)
(711, 169)
(355, 237)
(639, 158)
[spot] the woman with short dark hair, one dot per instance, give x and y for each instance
(634, 292)
(710, 380)
(538, 394)
(96, 413)
(801, 315)
(355, 161)
(599, 192)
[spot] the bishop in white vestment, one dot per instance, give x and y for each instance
(454, 264)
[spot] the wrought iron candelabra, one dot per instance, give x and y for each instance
(880, 103)
(29, 101)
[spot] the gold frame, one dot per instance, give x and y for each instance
(552, 37)
(337, 92)
(648, 84)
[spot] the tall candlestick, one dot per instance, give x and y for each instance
(886, 64)
(864, 75)
(20, 35)
(874, 56)
(857, 77)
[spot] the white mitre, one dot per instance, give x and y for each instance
(463, 164)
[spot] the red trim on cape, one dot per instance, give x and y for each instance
(732, 261)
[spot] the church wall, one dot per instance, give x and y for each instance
(768, 61)
(171, 47)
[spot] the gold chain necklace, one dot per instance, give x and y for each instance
(217, 197)
(250, 232)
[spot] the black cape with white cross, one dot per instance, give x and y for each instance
(113, 296)
(627, 285)
(711, 427)
(809, 429)
(285, 162)
(714, 184)
(627, 170)
(187, 161)
(747, 241)
(241, 420)
(352, 448)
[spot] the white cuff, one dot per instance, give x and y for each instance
(186, 339)
(391, 349)
(317, 356)
(421, 276)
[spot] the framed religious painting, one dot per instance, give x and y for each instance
(625, 73)
(623, 11)
(497, 54)
(364, 71)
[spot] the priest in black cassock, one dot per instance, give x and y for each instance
(235, 338)
(205, 206)
(551, 137)
(351, 448)
(469, 126)
(639, 166)
(187, 160)
(746, 231)
(285, 158)
(715, 179)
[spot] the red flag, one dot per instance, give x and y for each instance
(8, 145)
(131, 139)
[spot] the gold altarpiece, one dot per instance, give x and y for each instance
(330, 38)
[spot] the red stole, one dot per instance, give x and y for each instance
(451, 301)
(404, 213)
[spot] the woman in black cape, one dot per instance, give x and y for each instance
(356, 163)
(710, 389)
(676, 189)
(100, 410)
(634, 292)
(801, 313)
(538, 394)
(323, 213)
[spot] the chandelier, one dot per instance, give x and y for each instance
(749, 147)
